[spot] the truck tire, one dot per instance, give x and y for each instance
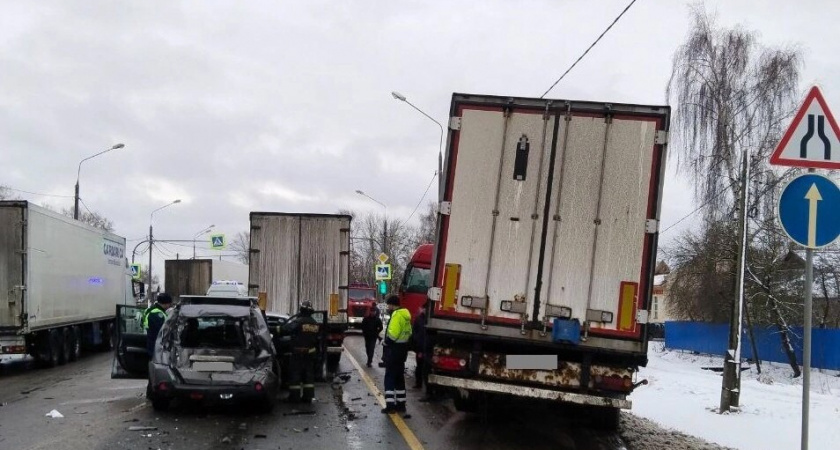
(76, 336)
(604, 418)
(53, 347)
(66, 345)
(321, 370)
(469, 404)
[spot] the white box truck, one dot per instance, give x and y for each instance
(303, 257)
(196, 276)
(60, 281)
(545, 251)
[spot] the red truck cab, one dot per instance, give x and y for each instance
(360, 299)
(417, 279)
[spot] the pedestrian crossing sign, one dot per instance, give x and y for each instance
(217, 241)
(383, 272)
(135, 271)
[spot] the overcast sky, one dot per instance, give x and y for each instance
(285, 106)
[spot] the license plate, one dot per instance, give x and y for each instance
(212, 366)
(531, 362)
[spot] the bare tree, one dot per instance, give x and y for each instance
(91, 218)
(732, 98)
(731, 95)
(241, 246)
(6, 193)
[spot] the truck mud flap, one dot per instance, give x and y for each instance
(530, 392)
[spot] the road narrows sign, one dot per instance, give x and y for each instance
(813, 138)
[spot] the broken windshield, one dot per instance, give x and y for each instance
(212, 332)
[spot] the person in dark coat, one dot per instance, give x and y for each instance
(371, 327)
(153, 319)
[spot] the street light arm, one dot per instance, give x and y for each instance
(152, 215)
(79, 171)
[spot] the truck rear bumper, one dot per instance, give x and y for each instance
(12, 345)
(524, 391)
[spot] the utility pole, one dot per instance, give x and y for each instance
(730, 392)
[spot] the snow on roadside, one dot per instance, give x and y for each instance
(684, 397)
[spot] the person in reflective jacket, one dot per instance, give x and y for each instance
(303, 330)
(153, 318)
(397, 336)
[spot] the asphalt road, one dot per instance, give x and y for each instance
(99, 412)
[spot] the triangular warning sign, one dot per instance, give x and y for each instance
(813, 138)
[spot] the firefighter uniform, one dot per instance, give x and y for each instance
(304, 332)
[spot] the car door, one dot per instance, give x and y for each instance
(131, 359)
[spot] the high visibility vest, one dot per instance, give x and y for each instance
(399, 327)
(154, 309)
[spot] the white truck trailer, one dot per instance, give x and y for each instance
(60, 281)
(303, 257)
(545, 251)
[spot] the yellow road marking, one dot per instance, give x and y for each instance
(402, 427)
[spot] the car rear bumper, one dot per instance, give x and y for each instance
(164, 384)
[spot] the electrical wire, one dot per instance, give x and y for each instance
(587, 50)
(421, 200)
(41, 194)
(722, 191)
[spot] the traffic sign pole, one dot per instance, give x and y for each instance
(806, 350)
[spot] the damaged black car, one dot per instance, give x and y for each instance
(211, 350)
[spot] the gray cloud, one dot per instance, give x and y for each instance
(243, 106)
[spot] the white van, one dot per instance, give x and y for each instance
(226, 288)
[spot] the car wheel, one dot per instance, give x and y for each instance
(160, 404)
(266, 405)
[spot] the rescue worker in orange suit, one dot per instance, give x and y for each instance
(397, 336)
(303, 330)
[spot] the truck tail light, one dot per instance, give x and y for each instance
(613, 383)
(164, 386)
(335, 337)
(451, 363)
(258, 386)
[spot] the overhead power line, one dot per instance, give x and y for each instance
(421, 200)
(587, 50)
(39, 193)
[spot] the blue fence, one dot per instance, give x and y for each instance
(712, 338)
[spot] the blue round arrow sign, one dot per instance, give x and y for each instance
(809, 210)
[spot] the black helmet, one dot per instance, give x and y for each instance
(306, 308)
(393, 300)
(164, 298)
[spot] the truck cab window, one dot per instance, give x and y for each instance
(416, 280)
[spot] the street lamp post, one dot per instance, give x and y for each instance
(204, 231)
(402, 98)
(79, 171)
(151, 244)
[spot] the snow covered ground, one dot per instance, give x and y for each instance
(684, 397)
